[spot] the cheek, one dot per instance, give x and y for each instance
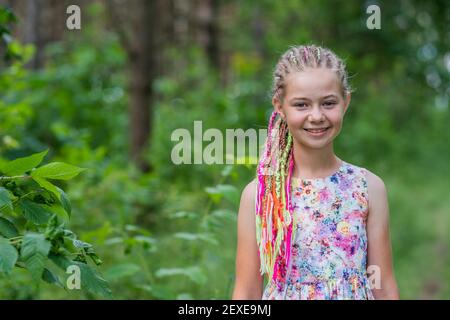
(296, 122)
(335, 118)
(296, 118)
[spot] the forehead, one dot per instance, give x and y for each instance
(312, 83)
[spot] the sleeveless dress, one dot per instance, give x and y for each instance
(329, 251)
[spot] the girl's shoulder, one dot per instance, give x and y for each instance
(373, 180)
(248, 195)
(370, 177)
(375, 185)
(250, 188)
(376, 190)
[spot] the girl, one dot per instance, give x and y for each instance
(315, 225)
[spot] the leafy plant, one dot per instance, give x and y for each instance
(8, 47)
(33, 216)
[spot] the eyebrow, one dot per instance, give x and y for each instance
(307, 99)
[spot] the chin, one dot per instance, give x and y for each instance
(316, 146)
(313, 144)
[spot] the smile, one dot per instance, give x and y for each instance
(317, 132)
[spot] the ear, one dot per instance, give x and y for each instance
(348, 98)
(277, 105)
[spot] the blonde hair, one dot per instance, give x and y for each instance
(298, 58)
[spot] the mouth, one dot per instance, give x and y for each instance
(316, 131)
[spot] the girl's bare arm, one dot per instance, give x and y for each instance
(248, 282)
(379, 243)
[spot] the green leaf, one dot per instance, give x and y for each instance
(5, 201)
(99, 235)
(8, 256)
(91, 280)
(57, 171)
(7, 228)
(229, 192)
(158, 291)
(121, 270)
(184, 296)
(95, 258)
(47, 186)
(58, 210)
(227, 170)
(196, 237)
(214, 194)
(58, 192)
(224, 213)
(21, 165)
(34, 212)
(145, 240)
(193, 273)
(183, 214)
(51, 278)
(61, 261)
(34, 251)
(54, 230)
(65, 202)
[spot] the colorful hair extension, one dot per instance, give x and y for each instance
(305, 53)
(293, 58)
(274, 222)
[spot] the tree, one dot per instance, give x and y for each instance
(136, 23)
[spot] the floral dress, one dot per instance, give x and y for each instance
(329, 252)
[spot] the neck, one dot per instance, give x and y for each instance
(314, 163)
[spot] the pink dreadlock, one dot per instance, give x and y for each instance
(273, 204)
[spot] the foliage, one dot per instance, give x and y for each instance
(34, 213)
(9, 48)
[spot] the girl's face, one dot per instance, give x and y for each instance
(313, 100)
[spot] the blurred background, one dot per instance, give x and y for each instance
(107, 97)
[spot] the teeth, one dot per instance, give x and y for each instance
(316, 130)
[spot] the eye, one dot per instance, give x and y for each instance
(300, 105)
(329, 104)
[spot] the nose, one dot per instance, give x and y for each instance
(316, 115)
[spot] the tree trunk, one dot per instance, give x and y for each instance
(207, 30)
(141, 76)
(140, 95)
(138, 24)
(41, 22)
